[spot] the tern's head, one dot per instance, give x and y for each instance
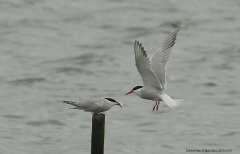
(115, 102)
(135, 90)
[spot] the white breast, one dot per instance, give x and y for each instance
(150, 95)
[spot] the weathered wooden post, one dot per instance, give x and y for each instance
(98, 125)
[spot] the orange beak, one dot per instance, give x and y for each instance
(129, 92)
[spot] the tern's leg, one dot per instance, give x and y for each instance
(154, 106)
(98, 113)
(158, 104)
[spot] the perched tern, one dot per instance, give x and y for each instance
(94, 105)
(153, 72)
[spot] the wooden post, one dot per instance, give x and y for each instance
(98, 125)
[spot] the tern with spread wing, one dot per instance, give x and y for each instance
(153, 72)
(94, 105)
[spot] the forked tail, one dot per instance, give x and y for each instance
(169, 101)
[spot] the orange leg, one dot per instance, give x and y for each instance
(154, 106)
(158, 104)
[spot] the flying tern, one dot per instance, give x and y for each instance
(153, 72)
(94, 105)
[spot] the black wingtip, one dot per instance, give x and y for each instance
(176, 32)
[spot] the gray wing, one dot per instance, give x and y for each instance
(92, 105)
(86, 105)
(144, 68)
(161, 56)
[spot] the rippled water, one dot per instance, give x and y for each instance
(54, 50)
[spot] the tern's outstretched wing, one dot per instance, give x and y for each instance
(161, 57)
(144, 68)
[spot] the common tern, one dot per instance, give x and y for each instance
(94, 105)
(153, 72)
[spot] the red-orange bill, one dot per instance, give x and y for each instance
(129, 92)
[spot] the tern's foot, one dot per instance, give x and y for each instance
(99, 113)
(153, 108)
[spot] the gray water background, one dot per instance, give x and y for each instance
(56, 49)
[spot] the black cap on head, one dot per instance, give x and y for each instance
(137, 87)
(110, 99)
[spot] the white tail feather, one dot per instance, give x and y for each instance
(169, 101)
